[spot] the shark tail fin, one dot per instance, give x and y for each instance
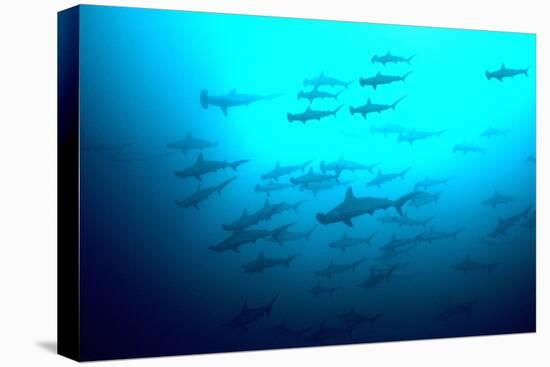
(277, 232)
(410, 59)
(406, 75)
(308, 233)
(337, 109)
(204, 98)
(289, 260)
(427, 221)
(305, 164)
(236, 164)
(270, 305)
(398, 204)
(396, 102)
(402, 173)
(225, 183)
(487, 75)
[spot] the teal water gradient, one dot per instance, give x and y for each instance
(150, 284)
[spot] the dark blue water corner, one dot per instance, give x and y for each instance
(257, 183)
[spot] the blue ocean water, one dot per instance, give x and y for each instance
(151, 284)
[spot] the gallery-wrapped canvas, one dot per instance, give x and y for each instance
(232, 182)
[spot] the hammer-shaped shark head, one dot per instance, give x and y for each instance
(322, 218)
(374, 58)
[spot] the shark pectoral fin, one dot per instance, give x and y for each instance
(347, 222)
(224, 110)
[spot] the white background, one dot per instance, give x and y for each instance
(28, 183)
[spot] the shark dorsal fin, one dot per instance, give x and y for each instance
(379, 172)
(188, 135)
(277, 164)
(388, 53)
(503, 66)
(368, 101)
(233, 91)
(341, 158)
(244, 214)
(349, 195)
(200, 158)
(378, 74)
(308, 109)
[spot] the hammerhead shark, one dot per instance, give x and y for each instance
(345, 241)
(389, 58)
(202, 167)
(370, 107)
(381, 79)
(250, 315)
(505, 72)
(262, 262)
(311, 114)
(353, 206)
(281, 170)
(325, 80)
(333, 268)
(382, 178)
(242, 237)
(317, 94)
(342, 165)
(201, 195)
(232, 99)
(191, 143)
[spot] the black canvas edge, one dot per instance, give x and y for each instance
(68, 242)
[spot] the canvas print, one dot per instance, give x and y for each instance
(258, 183)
